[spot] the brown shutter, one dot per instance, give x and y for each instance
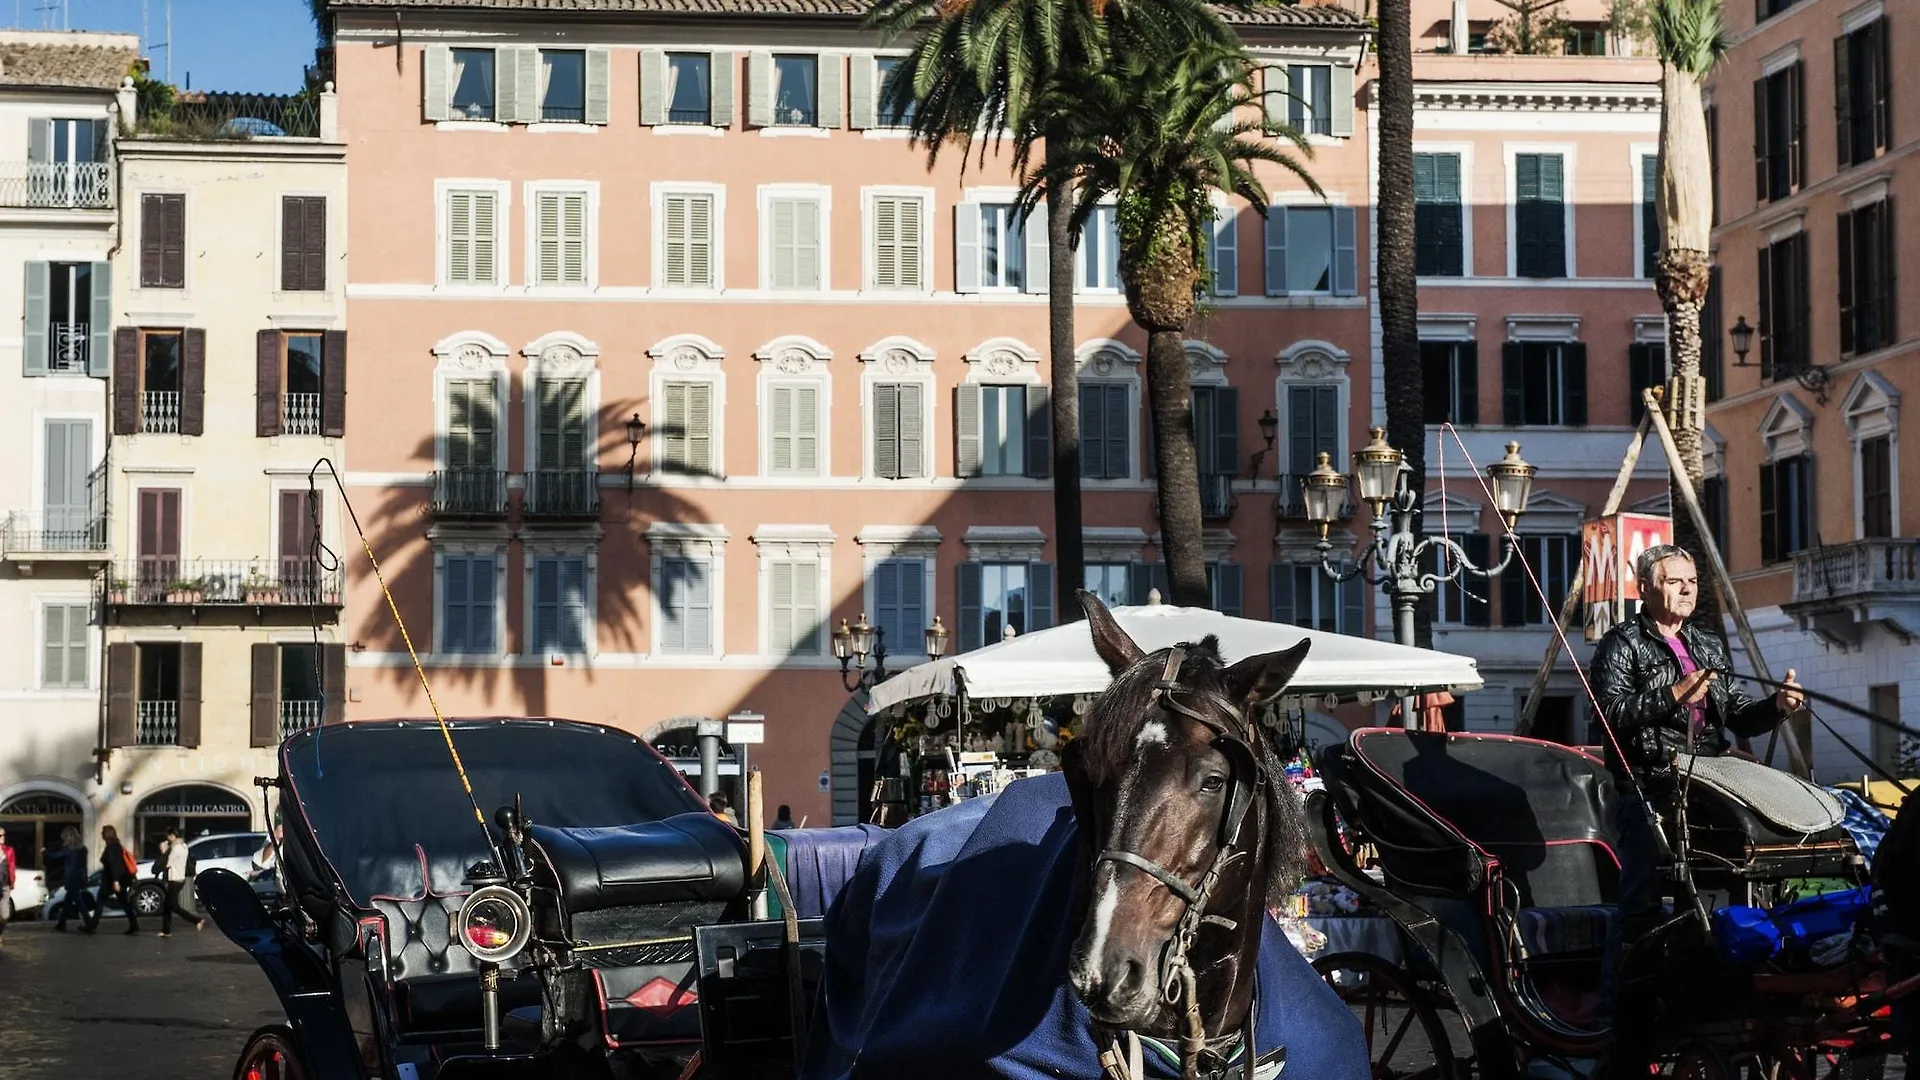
(266, 383)
(333, 384)
(173, 232)
(193, 382)
(293, 234)
(126, 381)
(264, 724)
(333, 682)
(313, 249)
(190, 693)
(152, 226)
(122, 680)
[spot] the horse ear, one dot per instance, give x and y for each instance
(1111, 642)
(1258, 678)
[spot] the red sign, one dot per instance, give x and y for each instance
(1608, 548)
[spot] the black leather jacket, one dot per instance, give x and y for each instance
(1633, 674)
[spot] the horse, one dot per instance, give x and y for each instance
(1073, 924)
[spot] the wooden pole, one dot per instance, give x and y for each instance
(756, 844)
(1721, 579)
(1524, 724)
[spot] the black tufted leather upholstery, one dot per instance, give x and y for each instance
(687, 857)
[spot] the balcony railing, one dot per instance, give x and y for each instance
(563, 493)
(1291, 505)
(297, 716)
(302, 415)
(54, 534)
(232, 116)
(77, 185)
(470, 493)
(67, 344)
(160, 412)
(159, 722)
(1857, 570)
(1216, 496)
(192, 583)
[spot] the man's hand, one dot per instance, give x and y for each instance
(1789, 697)
(1692, 689)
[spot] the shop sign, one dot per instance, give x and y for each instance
(1608, 548)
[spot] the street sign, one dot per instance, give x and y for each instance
(826, 781)
(746, 727)
(1608, 548)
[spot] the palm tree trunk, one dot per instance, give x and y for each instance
(1396, 285)
(1070, 574)
(1170, 396)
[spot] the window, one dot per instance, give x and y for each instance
(299, 383)
(1786, 507)
(898, 245)
(1439, 218)
(303, 243)
(160, 364)
(1303, 594)
(1313, 426)
(1310, 104)
(1544, 383)
(561, 238)
(1783, 307)
(1539, 216)
(563, 86)
(157, 541)
(689, 88)
(73, 504)
(1554, 560)
(472, 482)
(560, 609)
(1003, 247)
(160, 694)
(1862, 80)
(163, 241)
(900, 115)
(1646, 367)
(1713, 503)
(68, 318)
(686, 606)
(1766, 9)
(472, 238)
(64, 655)
(1099, 263)
(796, 91)
(900, 604)
(1586, 39)
(1465, 600)
(1867, 258)
(469, 603)
(793, 243)
(1223, 252)
(300, 525)
(1876, 486)
(1450, 381)
(1111, 582)
(1106, 433)
(1712, 337)
(794, 607)
(687, 436)
(1004, 417)
(793, 433)
(1225, 585)
(1649, 216)
(1310, 249)
(996, 596)
(899, 418)
(300, 696)
(1779, 124)
(561, 444)
(303, 359)
(687, 255)
(67, 163)
(473, 84)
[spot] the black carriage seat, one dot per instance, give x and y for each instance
(688, 857)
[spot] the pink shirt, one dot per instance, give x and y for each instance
(1698, 710)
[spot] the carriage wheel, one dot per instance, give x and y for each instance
(270, 1055)
(1405, 1038)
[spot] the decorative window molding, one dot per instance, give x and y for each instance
(1447, 327)
(1855, 19)
(1113, 544)
(536, 543)
(1780, 59)
(1543, 327)
(560, 354)
(469, 355)
(1787, 429)
(1785, 226)
(687, 358)
(472, 350)
(1206, 363)
(1548, 512)
(787, 363)
(800, 544)
(894, 360)
(1313, 361)
(920, 281)
(1872, 408)
(1105, 358)
(457, 541)
(700, 542)
(1650, 329)
(1003, 360)
(1867, 193)
(687, 354)
(879, 542)
(1435, 502)
(1004, 543)
(1218, 544)
(794, 355)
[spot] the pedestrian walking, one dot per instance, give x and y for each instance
(173, 860)
(6, 884)
(784, 818)
(71, 858)
(117, 872)
(721, 808)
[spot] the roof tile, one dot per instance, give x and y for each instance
(1273, 14)
(37, 64)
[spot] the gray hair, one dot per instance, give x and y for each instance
(1644, 565)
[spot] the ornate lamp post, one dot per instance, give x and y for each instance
(854, 645)
(1382, 474)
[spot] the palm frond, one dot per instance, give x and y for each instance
(1689, 35)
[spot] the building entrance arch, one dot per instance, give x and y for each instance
(194, 809)
(33, 818)
(681, 739)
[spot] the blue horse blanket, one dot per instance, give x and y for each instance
(947, 957)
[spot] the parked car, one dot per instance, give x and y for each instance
(149, 896)
(29, 893)
(227, 851)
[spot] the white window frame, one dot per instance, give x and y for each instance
(1079, 256)
(91, 661)
(502, 192)
(1872, 411)
(1570, 198)
(928, 232)
(1107, 362)
(96, 450)
(717, 242)
(822, 197)
(561, 354)
(820, 62)
(689, 540)
(881, 129)
(468, 356)
(491, 543)
(590, 260)
(1314, 363)
(1311, 110)
(977, 199)
(1636, 153)
(891, 360)
(794, 361)
(685, 358)
(878, 544)
(580, 545)
(1295, 200)
(1464, 151)
(796, 544)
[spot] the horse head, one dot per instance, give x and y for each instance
(1190, 825)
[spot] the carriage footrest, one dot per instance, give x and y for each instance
(1547, 931)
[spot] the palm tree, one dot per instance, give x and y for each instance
(1690, 38)
(988, 66)
(1157, 132)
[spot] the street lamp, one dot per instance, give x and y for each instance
(853, 645)
(1382, 472)
(636, 428)
(1811, 377)
(1269, 427)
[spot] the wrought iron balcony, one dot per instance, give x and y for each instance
(301, 415)
(1841, 589)
(472, 493)
(160, 412)
(1217, 502)
(297, 716)
(170, 582)
(76, 185)
(52, 537)
(562, 493)
(68, 344)
(158, 722)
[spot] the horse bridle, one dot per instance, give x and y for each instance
(1236, 739)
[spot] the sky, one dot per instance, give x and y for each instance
(252, 46)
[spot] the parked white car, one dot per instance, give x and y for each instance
(28, 895)
(228, 851)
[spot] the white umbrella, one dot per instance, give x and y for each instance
(1061, 660)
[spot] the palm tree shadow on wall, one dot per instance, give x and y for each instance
(409, 524)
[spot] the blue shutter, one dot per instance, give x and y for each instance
(1039, 596)
(455, 634)
(1093, 431)
(1346, 252)
(912, 619)
(886, 599)
(1276, 226)
(1229, 587)
(573, 605)
(1039, 449)
(969, 593)
(1353, 606)
(1139, 581)
(481, 603)
(1226, 431)
(546, 604)
(1280, 593)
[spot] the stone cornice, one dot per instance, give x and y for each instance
(1536, 96)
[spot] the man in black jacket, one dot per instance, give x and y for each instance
(1656, 679)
